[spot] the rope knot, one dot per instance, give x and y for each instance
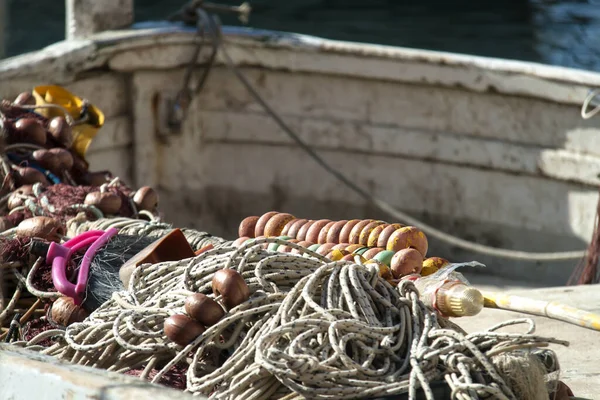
(406, 287)
(303, 363)
(454, 359)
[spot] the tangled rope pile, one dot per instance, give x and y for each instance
(138, 227)
(311, 327)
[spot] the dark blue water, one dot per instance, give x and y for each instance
(564, 33)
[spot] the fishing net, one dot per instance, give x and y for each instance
(63, 202)
(311, 328)
(46, 186)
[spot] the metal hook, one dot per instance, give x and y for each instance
(591, 99)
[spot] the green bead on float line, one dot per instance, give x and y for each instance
(385, 257)
(275, 246)
(252, 240)
(360, 251)
(314, 247)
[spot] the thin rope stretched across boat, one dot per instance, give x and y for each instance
(213, 25)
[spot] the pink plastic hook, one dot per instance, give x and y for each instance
(59, 256)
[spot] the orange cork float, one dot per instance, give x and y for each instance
(406, 237)
(364, 235)
(259, 229)
(325, 232)
(275, 224)
(374, 235)
(355, 232)
(304, 229)
(346, 229)
(432, 264)
(406, 262)
(248, 226)
(333, 234)
(385, 234)
(312, 235)
(372, 252)
(294, 228)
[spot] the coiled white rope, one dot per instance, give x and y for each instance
(139, 227)
(311, 327)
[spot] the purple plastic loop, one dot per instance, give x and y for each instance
(84, 268)
(72, 245)
(59, 256)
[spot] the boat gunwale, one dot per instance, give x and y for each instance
(65, 61)
(69, 380)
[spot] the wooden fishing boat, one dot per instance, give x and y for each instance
(489, 150)
(493, 151)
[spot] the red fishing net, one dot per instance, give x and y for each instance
(588, 270)
(174, 378)
(36, 326)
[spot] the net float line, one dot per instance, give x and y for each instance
(369, 233)
(399, 263)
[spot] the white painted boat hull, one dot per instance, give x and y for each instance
(28, 375)
(489, 150)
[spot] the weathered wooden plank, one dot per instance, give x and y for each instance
(562, 164)
(584, 140)
(57, 63)
(417, 186)
(169, 46)
(436, 109)
(148, 150)
(232, 126)
(116, 160)
(453, 190)
(115, 133)
(26, 375)
(336, 104)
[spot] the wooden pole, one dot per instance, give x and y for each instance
(87, 17)
(3, 21)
